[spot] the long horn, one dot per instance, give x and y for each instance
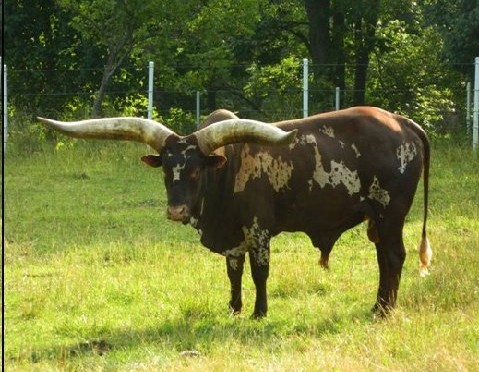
(124, 128)
(241, 130)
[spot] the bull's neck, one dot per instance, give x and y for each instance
(213, 203)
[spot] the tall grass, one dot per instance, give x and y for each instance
(96, 278)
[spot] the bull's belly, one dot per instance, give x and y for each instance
(323, 227)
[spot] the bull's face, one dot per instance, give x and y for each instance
(183, 167)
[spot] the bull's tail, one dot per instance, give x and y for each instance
(425, 251)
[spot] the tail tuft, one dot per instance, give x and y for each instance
(425, 255)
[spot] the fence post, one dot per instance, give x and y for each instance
(468, 107)
(5, 107)
(305, 87)
(475, 110)
(197, 109)
(337, 98)
(151, 66)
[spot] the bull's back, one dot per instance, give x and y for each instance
(338, 163)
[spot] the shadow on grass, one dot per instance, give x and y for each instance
(203, 332)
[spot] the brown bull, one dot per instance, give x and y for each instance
(240, 182)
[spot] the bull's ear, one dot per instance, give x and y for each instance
(152, 160)
(215, 161)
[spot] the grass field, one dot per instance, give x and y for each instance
(96, 278)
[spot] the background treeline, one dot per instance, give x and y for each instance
(75, 59)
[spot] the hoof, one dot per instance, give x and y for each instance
(258, 316)
(381, 311)
(234, 312)
(235, 309)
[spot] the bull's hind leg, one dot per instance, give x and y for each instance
(234, 267)
(390, 256)
(324, 259)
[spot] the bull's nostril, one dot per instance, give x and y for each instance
(177, 212)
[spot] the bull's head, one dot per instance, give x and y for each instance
(183, 158)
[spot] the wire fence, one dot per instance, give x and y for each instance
(290, 92)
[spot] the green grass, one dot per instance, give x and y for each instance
(96, 278)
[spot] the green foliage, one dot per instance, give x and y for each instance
(458, 22)
(408, 76)
(91, 55)
(180, 121)
(276, 88)
(135, 105)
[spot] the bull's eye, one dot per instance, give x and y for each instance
(195, 174)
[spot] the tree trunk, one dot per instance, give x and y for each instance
(364, 40)
(118, 54)
(97, 110)
(360, 74)
(318, 12)
(211, 100)
(337, 45)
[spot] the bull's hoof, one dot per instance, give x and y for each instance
(381, 311)
(258, 316)
(234, 310)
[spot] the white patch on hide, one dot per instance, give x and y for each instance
(257, 240)
(189, 147)
(177, 170)
(302, 140)
(278, 171)
(193, 221)
(378, 194)
(236, 251)
(356, 151)
(233, 262)
(339, 174)
(329, 131)
(405, 153)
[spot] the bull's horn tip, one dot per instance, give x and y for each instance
(43, 120)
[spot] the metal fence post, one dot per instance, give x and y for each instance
(475, 110)
(468, 107)
(305, 87)
(338, 90)
(151, 66)
(197, 109)
(5, 108)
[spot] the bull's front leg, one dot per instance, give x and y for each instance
(234, 267)
(259, 261)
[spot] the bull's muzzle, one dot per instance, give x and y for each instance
(178, 213)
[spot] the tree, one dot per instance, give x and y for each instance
(115, 27)
(318, 13)
(366, 15)
(458, 22)
(407, 74)
(37, 37)
(330, 24)
(213, 34)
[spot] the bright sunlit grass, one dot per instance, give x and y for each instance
(97, 278)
